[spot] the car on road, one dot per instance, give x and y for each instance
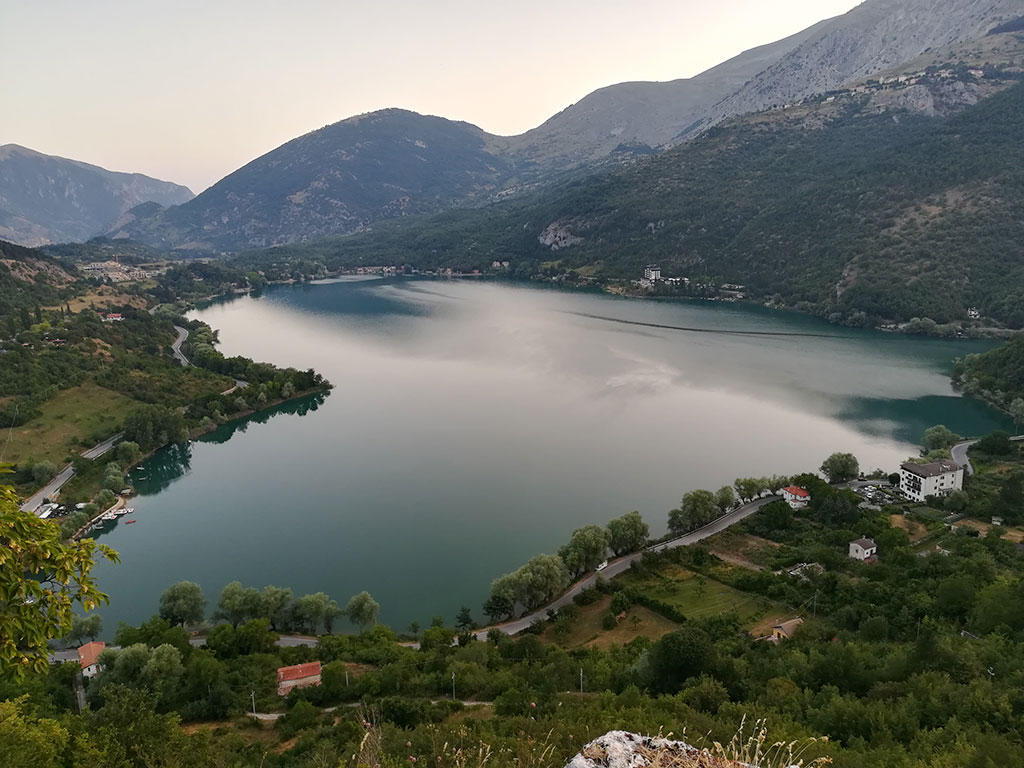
(602, 566)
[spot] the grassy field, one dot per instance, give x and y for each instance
(105, 296)
(86, 412)
(698, 598)
(638, 622)
(742, 549)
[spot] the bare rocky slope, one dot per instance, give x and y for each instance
(48, 199)
(871, 38)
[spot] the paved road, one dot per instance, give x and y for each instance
(51, 489)
(176, 346)
(615, 567)
(959, 454)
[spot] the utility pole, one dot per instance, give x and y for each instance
(581, 679)
(346, 677)
(453, 685)
(252, 694)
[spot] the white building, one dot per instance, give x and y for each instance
(797, 498)
(863, 549)
(938, 478)
(652, 272)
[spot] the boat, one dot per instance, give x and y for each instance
(128, 522)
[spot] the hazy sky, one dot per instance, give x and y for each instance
(192, 89)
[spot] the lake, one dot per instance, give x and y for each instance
(474, 425)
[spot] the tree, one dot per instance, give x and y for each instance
(27, 740)
(542, 579)
(362, 610)
(587, 548)
(1017, 411)
(996, 444)
(316, 609)
(678, 656)
(275, 605)
(498, 607)
(43, 472)
(748, 488)
(957, 501)
(40, 608)
(697, 508)
(83, 627)
(238, 603)
(840, 467)
(464, 620)
(628, 533)
(127, 452)
(183, 603)
(938, 438)
(725, 498)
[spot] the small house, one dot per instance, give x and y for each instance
(997, 520)
(88, 658)
(863, 549)
(797, 498)
(297, 676)
(785, 630)
(113, 317)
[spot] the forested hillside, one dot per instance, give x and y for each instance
(855, 214)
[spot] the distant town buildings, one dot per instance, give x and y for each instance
(863, 549)
(652, 272)
(297, 676)
(88, 657)
(938, 478)
(796, 497)
(973, 314)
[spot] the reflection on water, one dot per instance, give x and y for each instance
(473, 426)
(175, 461)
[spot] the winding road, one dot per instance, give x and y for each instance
(176, 346)
(615, 567)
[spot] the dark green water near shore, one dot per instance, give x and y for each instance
(475, 425)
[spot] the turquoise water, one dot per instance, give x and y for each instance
(475, 425)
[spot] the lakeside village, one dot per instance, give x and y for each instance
(916, 482)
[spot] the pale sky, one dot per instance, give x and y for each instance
(190, 90)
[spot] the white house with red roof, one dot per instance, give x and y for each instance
(297, 676)
(796, 497)
(88, 657)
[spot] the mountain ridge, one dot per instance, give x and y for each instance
(46, 198)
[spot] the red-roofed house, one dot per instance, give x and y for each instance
(88, 655)
(297, 676)
(797, 498)
(113, 317)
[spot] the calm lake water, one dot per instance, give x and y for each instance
(475, 425)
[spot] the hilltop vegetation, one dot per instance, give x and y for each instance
(114, 374)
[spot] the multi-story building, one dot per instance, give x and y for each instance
(939, 478)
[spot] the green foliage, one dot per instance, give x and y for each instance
(587, 548)
(628, 533)
(42, 579)
(183, 603)
(840, 467)
(939, 437)
(362, 610)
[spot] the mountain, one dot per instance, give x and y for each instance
(338, 179)
(46, 199)
(881, 202)
(874, 36)
(390, 164)
(632, 116)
